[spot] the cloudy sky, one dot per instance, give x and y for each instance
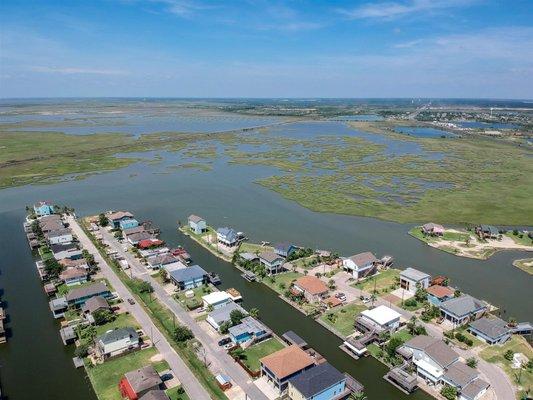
(256, 48)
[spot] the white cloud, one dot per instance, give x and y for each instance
(394, 10)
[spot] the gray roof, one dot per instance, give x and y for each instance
(58, 232)
(195, 218)
(491, 229)
(137, 237)
(283, 247)
(363, 258)
(187, 274)
(248, 256)
(317, 379)
(248, 325)
(89, 290)
(229, 233)
(143, 378)
(460, 374)
(132, 231)
(293, 338)
(163, 259)
(491, 327)
(414, 274)
(471, 390)
(463, 305)
(118, 334)
(439, 351)
(95, 303)
(155, 395)
(222, 314)
(56, 248)
(270, 256)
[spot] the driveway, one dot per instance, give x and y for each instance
(218, 359)
(191, 385)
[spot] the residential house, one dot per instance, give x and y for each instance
(74, 276)
(379, 319)
(63, 235)
(250, 329)
(272, 262)
(433, 229)
(128, 223)
(491, 330)
(197, 224)
(462, 309)
(58, 306)
(437, 294)
(220, 316)
(50, 223)
(487, 232)
(137, 383)
(135, 238)
(361, 265)
(312, 288)
(189, 277)
(94, 304)
(290, 337)
(66, 250)
(130, 231)
(323, 382)
(166, 261)
(431, 357)
(149, 244)
(281, 366)
(78, 296)
(474, 390)
(459, 375)
(117, 341)
(155, 395)
(116, 217)
(43, 208)
(227, 236)
(411, 279)
(216, 300)
(284, 249)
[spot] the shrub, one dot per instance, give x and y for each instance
(449, 392)
(508, 355)
(410, 302)
(471, 362)
(82, 350)
(182, 334)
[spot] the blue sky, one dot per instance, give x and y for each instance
(255, 48)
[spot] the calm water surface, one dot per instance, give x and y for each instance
(224, 196)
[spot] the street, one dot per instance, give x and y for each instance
(191, 385)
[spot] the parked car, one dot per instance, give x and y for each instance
(366, 300)
(166, 377)
(229, 346)
(341, 296)
(224, 341)
(131, 301)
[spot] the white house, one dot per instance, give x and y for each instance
(118, 341)
(59, 236)
(411, 279)
(227, 236)
(216, 300)
(381, 318)
(197, 224)
(361, 265)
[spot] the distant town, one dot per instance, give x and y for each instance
(147, 322)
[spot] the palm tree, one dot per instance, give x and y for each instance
(254, 312)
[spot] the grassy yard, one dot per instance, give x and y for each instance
(417, 233)
(525, 264)
(524, 240)
(195, 301)
(411, 307)
(382, 282)
(246, 247)
(257, 351)
(495, 355)
(455, 236)
(342, 319)
(403, 335)
(285, 279)
(304, 262)
(105, 377)
(121, 321)
(174, 394)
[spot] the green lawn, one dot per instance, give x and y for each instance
(121, 321)
(417, 233)
(285, 279)
(105, 377)
(193, 302)
(257, 351)
(403, 335)
(246, 247)
(305, 262)
(524, 240)
(382, 282)
(342, 318)
(525, 264)
(414, 307)
(455, 236)
(174, 394)
(495, 355)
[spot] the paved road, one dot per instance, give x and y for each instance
(192, 386)
(215, 354)
(495, 376)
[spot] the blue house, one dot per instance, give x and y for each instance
(128, 223)
(43, 208)
(249, 329)
(284, 249)
(227, 236)
(188, 278)
(197, 224)
(438, 294)
(323, 382)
